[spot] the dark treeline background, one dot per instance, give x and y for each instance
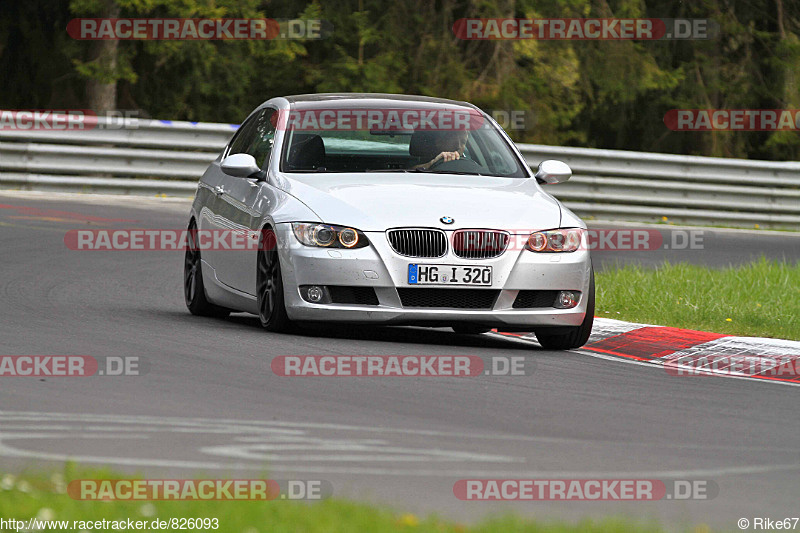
(605, 94)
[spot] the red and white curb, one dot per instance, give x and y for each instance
(686, 352)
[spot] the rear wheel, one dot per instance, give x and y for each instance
(194, 292)
(576, 336)
(468, 329)
(269, 284)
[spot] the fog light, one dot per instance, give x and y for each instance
(567, 299)
(315, 294)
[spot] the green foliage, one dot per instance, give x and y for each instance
(608, 94)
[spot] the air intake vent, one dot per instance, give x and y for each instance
(533, 299)
(418, 242)
(449, 298)
(353, 295)
(480, 244)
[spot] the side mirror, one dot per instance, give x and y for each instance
(553, 171)
(240, 166)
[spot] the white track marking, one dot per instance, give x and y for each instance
(266, 454)
(8, 451)
(660, 367)
(265, 431)
(202, 425)
(610, 327)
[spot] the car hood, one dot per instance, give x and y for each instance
(387, 200)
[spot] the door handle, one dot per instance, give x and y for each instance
(219, 191)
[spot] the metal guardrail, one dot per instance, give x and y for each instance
(165, 157)
(130, 156)
(623, 185)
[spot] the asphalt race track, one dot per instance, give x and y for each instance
(209, 403)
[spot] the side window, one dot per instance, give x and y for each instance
(243, 138)
(262, 137)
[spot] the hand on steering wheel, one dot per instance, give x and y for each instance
(444, 157)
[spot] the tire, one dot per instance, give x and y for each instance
(269, 286)
(576, 336)
(194, 292)
(468, 329)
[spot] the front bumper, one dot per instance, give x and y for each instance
(379, 267)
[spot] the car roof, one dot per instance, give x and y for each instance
(328, 100)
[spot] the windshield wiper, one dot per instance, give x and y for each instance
(459, 172)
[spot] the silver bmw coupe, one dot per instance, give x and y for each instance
(386, 209)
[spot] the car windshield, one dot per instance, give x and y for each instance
(442, 141)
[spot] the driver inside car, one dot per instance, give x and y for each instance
(450, 146)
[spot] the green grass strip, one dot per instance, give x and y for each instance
(760, 299)
(43, 496)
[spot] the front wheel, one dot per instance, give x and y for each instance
(269, 282)
(194, 292)
(576, 336)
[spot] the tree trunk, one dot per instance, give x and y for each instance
(790, 72)
(101, 94)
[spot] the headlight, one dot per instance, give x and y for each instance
(557, 240)
(329, 236)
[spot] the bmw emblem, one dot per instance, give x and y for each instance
(447, 220)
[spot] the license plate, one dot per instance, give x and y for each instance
(449, 275)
